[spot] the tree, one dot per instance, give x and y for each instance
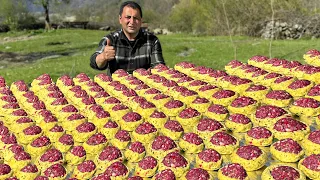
(46, 6)
(11, 12)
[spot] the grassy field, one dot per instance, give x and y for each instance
(70, 50)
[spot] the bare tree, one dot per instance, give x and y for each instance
(46, 6)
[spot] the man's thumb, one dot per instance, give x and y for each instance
(108, 42)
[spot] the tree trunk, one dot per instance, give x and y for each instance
(46, 13)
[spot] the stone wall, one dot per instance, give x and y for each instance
(279, 29)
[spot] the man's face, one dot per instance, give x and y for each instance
(130, 21)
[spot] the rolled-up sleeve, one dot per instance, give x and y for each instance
(99, 50)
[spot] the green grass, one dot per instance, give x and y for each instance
(76, 47)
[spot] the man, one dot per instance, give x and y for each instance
(129, 48)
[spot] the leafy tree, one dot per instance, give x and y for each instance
(11, 12)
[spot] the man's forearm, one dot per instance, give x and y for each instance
(93, 62)
(101, 62)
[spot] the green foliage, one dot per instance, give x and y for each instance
(244, 16)
(182, 17)
(12, 13)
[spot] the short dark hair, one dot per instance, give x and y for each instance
(131, 4)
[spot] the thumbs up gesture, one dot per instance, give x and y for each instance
(109, 52)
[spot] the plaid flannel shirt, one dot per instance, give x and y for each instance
(145, 53)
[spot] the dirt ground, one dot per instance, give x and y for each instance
(10, 59)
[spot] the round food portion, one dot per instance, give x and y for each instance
(19, 112)
(137, 147)
(32, 130)
(4, 169)
(163, 143)
(16, 148)
(55, 170)
(312, 162)
(78, 151)
(66, 139)
(39, 178)
(189, 113)
(207, 124)
(234, 63)
(148, 162)
(259, 133)
(288, 145)
(234, 170)
(104, 77)
(9, 138)
(101, 176)
(249, 152)
(123, 135)
(269, 111)
(259, 58)
(223, 139)
(166, 174)
(132, 117)
(223, 94)
(299, 84)
(30, 168)
(112, 100)
(200, 101)
(197, 174)
(290, 128)
(86, 127)
(243, 101)
(173, 126)
(173, 104)
(111, 124)
(86, 166)
(218, 109)
(307, 103)
(185, 65)
(3, 130)
(314, 91)
(280, 172)
(158, 114)
(289, 124)
(259, 136)
(278, 95)
(174, 160)
(286, 150)
(209, 155)
(75, 116)
(51, 155)
(145, 128)
(192, 138)
(119, 107)
(8, 99)
(116, 169)
(97, 139)
(41, 141)
(184, 79)
(146, 105)
(258, 73)
(11, 106)
(258, 87)
(239, 118)
(282, 79)
(314, 137)
(21, 156)
(110, 153)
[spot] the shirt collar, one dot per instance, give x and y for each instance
(124, 37)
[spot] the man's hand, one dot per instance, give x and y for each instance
(108, 54)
